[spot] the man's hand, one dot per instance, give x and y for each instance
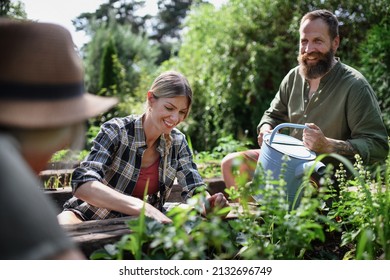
(264, 129)
(315, 140)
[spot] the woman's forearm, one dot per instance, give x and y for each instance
(102, 196)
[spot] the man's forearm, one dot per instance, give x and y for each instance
(342, 147)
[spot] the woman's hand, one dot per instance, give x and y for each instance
(217, 201)
(102, 196)
(154, 213)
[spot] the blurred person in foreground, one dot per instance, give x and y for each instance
(137, 154)
(43, 109)
(334, 100)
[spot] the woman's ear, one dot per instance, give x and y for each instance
(150, 98)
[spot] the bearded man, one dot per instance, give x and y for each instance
(332, 99)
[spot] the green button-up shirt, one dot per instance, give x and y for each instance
(344, 107)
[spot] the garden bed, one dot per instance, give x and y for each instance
(295, 235)
(94, 235)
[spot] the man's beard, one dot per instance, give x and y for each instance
(317, 70)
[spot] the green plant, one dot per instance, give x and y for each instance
(277, 230)
(264, 231)
(209, 163)
(68, 155)
(192, 237)
(363, 211)
(132, 243)
(189, 236)
(269, 228)
(60, 155)
(53, 182)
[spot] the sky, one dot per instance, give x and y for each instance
(64, 11)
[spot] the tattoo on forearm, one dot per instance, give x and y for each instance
(344, 148)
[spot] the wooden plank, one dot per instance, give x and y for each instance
(57, 172)
(97, 226)
(93, 235)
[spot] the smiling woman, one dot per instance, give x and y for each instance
(138, 158)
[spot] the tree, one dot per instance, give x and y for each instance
(234, 57)
(13, 9)
(135, 52)
(376, 64)
(167, 24)
(163, 28)
(111, 74)
(237, 56)
(124, 14)
(5, 7)
(116, 60)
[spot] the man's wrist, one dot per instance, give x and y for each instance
(340, 147)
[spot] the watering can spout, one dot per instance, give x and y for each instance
(319, 168)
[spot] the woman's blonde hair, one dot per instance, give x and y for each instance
(171, 84)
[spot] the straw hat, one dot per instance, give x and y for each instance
(42, 78)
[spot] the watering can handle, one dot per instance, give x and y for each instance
(283, 125)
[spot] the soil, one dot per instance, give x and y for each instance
(328, 250)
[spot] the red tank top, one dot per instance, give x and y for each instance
(147, 176)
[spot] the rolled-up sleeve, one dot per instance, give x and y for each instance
(94, 167)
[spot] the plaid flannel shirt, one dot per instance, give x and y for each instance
(115, 160)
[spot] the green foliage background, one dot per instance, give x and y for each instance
(236, 57)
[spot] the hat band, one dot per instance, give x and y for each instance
(39, 92)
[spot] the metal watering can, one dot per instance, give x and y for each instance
(275, 149)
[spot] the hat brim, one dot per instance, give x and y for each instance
(46, 114)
